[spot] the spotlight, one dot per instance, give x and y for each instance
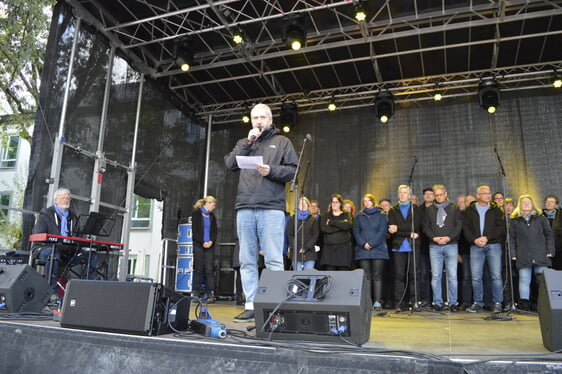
(289, 115)
(489, 95)
(245, 118)
(239, 36)
(557, 80)
(332, 105)
(360, 13)
(183, 53)
(384, 106)
(437, 96)
(294, 31)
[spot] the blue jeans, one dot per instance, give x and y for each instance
(259, 230)
(448, 254)
(525, 280)
(491, 254)
(308, 264)
(80, 258)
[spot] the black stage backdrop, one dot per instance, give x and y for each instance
(351, 152)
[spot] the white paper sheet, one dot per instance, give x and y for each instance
(249, 162)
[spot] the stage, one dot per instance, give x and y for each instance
(421, 342)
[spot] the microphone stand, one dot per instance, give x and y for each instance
(415, 307)
(294, 187)
(509, 271)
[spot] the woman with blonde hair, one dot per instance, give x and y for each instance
(532, 245)
(204, 229)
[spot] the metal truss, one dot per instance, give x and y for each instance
(373, 55)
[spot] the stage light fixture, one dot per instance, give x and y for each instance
(557, 80)
(360, 13)
(288, 116)
(489, 95)
(183, 53)
(437, 96)
(245, 118)
(238, 37)
(332, 105)
(384, 106)
(294, 31)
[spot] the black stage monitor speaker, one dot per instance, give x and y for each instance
(128, 307)
(22, 289)
(313, 305)
(550, 309)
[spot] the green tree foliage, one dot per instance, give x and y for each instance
(24, 27)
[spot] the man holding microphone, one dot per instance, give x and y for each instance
(260, 202)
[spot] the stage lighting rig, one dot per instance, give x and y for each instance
(294, 31)
(332, 106)
(360, 13)
(239, 36)
(183, 53)
(557, 80)
(489, 95)
(245, 118)
(384, 106)
(288, 116)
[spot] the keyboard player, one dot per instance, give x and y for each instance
(58, 219)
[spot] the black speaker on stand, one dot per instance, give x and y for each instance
(22, 289)
(550, 309)
(142, 308)
(332, 306)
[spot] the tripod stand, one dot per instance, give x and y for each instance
(413, 236)
(507, 254)
(294, 187)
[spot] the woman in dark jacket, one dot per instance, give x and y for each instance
(204, 229)
(369, 230)
(308, 230)
(336, 226)
(532, 244)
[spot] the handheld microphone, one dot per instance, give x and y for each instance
(254, 137)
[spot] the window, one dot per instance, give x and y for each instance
(9, 152)
(4, 201)
(142, 212)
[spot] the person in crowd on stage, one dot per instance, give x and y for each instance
(443, 226)
(484, 228)
(58, 219)
(336, 226)
(465, 294)
(349, 206)
(369, 229)
(532, 245)
(204, 231)
(469, 199)
(308, 230)
(553, 212)
(509, 207)
(388, 275)
(385, 205)
(260, 202)
(425, 264)
(414, 199)
(499, 199)
(405, 223)
(315, 209)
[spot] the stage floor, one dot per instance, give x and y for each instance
(459, 334)
(420, 342)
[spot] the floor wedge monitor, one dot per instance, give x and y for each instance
(313, 305)
(550, 309)
(142, 308)
(22, 289)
